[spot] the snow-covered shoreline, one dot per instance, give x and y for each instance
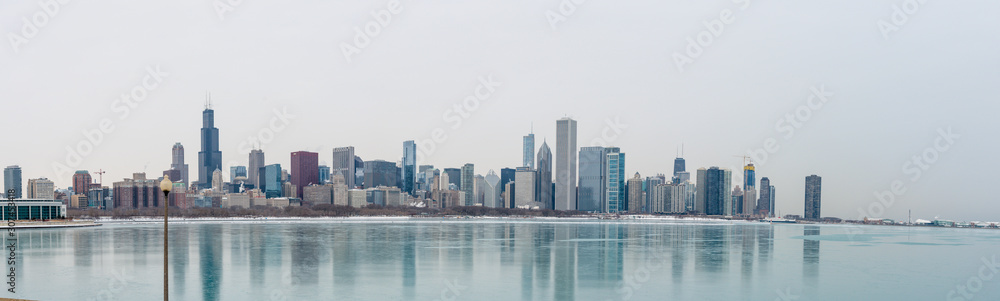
(437, 219)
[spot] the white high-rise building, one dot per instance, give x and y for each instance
(524, 193)
(565, 194)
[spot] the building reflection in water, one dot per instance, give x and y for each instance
(565, 261)
(810, 254)
(179, 236)
(345, 258)
(210, 260)
(305, 256)
(712, 254)
(83, 247)
(409, 253)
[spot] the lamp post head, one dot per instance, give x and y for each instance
(166, 184)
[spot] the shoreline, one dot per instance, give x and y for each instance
(51, 225)
(418, 219)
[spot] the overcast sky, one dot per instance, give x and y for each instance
(891, 80)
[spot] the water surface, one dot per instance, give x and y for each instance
(515, 260)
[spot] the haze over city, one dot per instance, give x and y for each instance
(613, 67)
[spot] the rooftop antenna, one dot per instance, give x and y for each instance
(208, 100)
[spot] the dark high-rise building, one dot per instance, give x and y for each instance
(380, 173)
(409, 171)
(592, 186)
(543, 179)
(468, 174)
(209, 158)
(716, 197)
(678, 166)
(506, 176)
(270, 180)
(454, 177)
(81, 182)
(324, 174)
(177, 162)
(256, 162)
(814, 187)
(765, 205)
(344, 164)
(359, 171)
(12, 180)
(565, 164)
(305, 170)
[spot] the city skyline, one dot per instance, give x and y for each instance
(860, 110)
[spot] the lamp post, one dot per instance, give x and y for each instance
(165, 185)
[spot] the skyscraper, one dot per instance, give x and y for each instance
(678, 165)
(529, 151)
(650, 184)
(814, 187)
(614, 175)
(749, 190)
(209, 158)
(766, 201)
(543, 184)
(454, 177)
(380, 173)
(41, 189)
(409, 166)
(217, 180)
(177, 162)
(566, 164)
(491, 195)
(81, 182)
(270, 180)
(592, 186)
(12, 180)
(468, 186)
(345, 165)
(524, 194)
(324, 174)
(701, 191)
(717, 199)
(635, 196)
(506, 176)
(237, 171)
(256, 162)
(479, 193)
(305, 170)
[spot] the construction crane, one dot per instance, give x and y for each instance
(745, 159)
(100, 174)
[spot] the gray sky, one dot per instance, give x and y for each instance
(887, 94)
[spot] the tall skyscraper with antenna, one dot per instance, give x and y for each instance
(209, 158)
(679, 162)
(529, 150)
